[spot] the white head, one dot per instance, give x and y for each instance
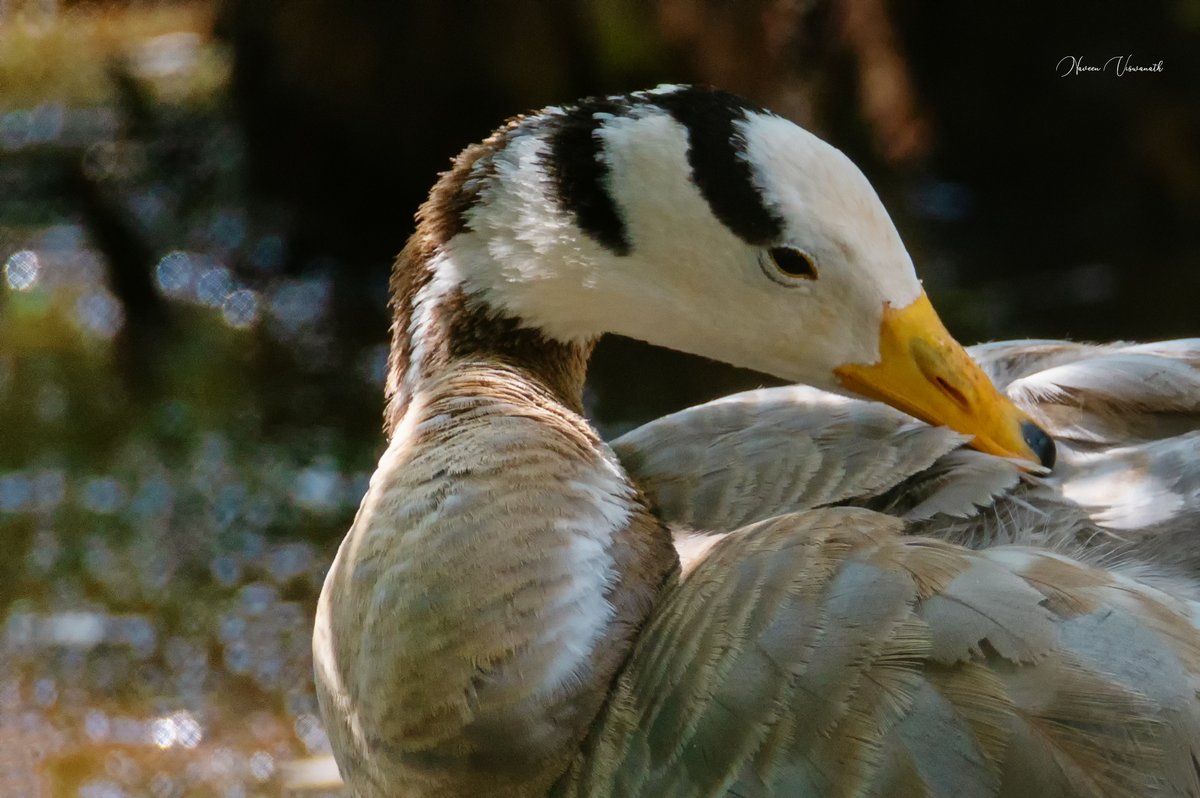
(691, 219)
(683, 256)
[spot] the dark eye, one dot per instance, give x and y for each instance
(792, 262)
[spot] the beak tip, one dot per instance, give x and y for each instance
(1041, 443)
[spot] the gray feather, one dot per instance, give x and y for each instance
(758, 454)
(1126, 492)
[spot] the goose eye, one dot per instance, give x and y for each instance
(792, 263)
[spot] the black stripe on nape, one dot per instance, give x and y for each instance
(580, 171)
(716, 153)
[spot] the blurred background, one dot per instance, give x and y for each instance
(199, 205)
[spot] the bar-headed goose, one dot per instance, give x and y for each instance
(508, 614)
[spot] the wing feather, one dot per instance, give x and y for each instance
(850, 659)
(754, 455)
(1126, 492)
(1113, 399)
(826, 652)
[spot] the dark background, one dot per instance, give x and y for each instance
(199, 205)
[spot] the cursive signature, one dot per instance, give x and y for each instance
(1121, 65)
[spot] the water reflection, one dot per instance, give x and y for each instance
(159, 599)
(163, 552)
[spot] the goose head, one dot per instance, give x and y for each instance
(691, 219)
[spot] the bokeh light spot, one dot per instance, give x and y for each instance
(21, 270)
(213, 286)
(99, 313)
(174, 274)
(262, 765)
(318, 487)
(240, 308)
(15, 492)
(103, 495)
(162, 732)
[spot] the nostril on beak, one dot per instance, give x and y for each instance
(955, 395)
(1041, 443)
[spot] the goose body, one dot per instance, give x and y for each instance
(520, 609)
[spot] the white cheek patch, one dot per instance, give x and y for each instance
(527, 257)
(690, 282)
(651, 183)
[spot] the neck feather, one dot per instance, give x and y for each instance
(493, 584)
(435, 323)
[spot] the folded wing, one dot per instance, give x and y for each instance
(827, 653)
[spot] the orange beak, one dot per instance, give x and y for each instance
(923, 371)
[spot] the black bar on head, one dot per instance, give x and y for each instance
(581, 171)
(716, 153)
